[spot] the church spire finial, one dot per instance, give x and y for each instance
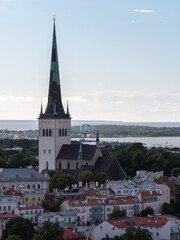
(54, 18)
(67, 112)
(97, 140)
(41, 113)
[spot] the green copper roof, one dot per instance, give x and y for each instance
(80, 156)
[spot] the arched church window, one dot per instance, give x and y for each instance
(68, 165)
(46, 164)
(60, 132)
(50, 132)
(59, 165)
(63, 132)
(43, 132)
(46, 132)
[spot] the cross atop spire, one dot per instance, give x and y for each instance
(54, 106)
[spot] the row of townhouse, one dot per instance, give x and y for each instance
(99, 209)
(161, 227)
(8, 202)
(64, 218)
(132, 187)
(29, 212)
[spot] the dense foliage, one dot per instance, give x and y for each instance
(132, 233)
(61, 180)
(49, 231)
(116, 213)
(102, 177)
(147, 211)
(19, 226)
(86, 177)
(52, 207)
(133, 131)
(137, 157)
(13, 158)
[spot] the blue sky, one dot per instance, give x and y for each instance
(119, 59)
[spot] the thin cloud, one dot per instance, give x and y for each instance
(143, 11)
(165, 21)
(75, 99)
(15, 98)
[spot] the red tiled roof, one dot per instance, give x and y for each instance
(10, 191)
(152, 221)
(30, 207)
(68, 234)
(6, 215)
(97, 201)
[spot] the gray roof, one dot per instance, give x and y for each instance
(64, 213)
(20, 174)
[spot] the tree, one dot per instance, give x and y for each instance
(14, 237)
(85, 177)
(133, 233)
(49, 231)
(147, 211)
(117, 213)
(52, 207)
(175, 172)
(102, 177)
(168, 208)
(61, 180)
(19, 226)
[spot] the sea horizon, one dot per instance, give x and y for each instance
(33, 124)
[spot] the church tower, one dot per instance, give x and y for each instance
(54, 123)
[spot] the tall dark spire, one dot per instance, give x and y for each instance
(54, 106)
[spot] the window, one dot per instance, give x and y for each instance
(44, 151)
(157, 234)
(47, 132)
(68, 165)
(50, 133)
(39, 186)
(39, 199)
(43, 132)
(59, 165)
(28, 186)
(4, 208)
(49, 151)
(33, 199)
(26, 199)
(113, 228)
(100, 227)
(60, 132)
(9, 208)
(33, 186)
(65, 132)
(108, 209)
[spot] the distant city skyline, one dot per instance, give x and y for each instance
(119, 59)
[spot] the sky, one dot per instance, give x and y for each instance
(119, 59)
